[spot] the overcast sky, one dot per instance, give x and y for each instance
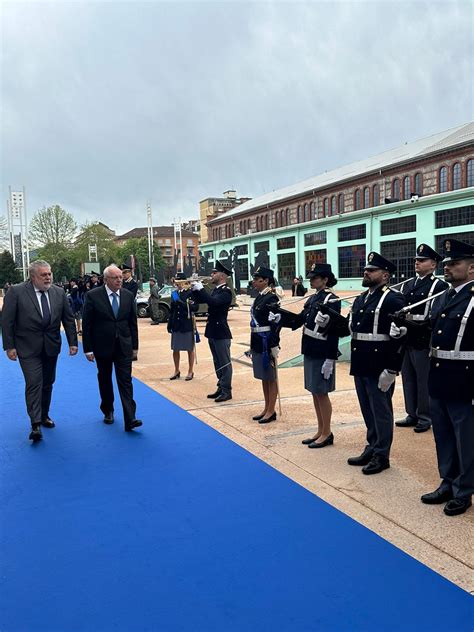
(106, 105)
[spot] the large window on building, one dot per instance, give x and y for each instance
(242, 268)
(443, 180)
(400, 252)
(261, 246)
(467, 237)
(316, 238)
(340, 203)
(398, 225)
(351, 232)
(470, 173)
(366, 197)
(314, 256)
(456, 176)
(419, 183)
(454, 217)
(286, 269)
(241, 250)
(351, 261)
(375, 195)
(396, 189)
(285, 242)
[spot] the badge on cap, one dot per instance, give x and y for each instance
(447, 246)
(421, 248)
(371, 256)
(257, 270)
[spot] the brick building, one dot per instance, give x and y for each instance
(212, 207)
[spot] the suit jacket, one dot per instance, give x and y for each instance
(101, 330)
(218, 301)
(22, 324)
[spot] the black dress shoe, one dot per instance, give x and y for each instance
(35, 434)
(48, 423)
(363, 459)
(377, 464)
(258, 417)
(421, 427)
(223, 398)
(407, 423)
(328, 441)
(268, 419)
(109, 418)
(135, 423)
(439, 496)
(308, 441)
(214, 395)
(457, 506)
(176, 376)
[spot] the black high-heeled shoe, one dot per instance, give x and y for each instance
(328, 441)
(308, 441)
(268, 419)
(258, 417)
(189, 377)
(176, 376)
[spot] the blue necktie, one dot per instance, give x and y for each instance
(115, 304)
(45, 309)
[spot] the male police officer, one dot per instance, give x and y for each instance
(451, 381)
(217, 330)
(129, 282)
(416, 359)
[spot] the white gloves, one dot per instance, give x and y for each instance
(274, 318)
(327, 369)
(397, 332)
(197, 285)
(275, 351)
(386, 380)
(322, 319)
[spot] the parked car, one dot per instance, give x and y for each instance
(165, 301)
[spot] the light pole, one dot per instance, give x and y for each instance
(151, 255)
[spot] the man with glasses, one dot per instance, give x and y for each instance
(32, 315)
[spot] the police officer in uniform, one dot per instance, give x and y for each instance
(375, 360)
(451, 381)
(416, 360)
(129, 282)
(217, 330)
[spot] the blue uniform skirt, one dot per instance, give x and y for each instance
(182, 341)
(314, 381)
(259, 371)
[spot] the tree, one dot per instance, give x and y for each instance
(139, 248)
(96, 234)
(62, 259)
(8, 271)
(52, 225)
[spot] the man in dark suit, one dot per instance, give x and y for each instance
(32, 315)
(217, 330)
(110, 337)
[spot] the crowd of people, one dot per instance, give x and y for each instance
(423, 330)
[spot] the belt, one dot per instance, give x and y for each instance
(370, 337)
(258, 330)
(415, 317)
(452, 355)
(314, 334)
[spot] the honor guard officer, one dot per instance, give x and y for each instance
(451, 381)
(416, 361)
(129, 282)
(375, 360)
(217, 330)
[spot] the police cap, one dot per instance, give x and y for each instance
(375, 260)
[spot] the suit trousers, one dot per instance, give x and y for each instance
(39, 373)
(453, 428)
(220, 350)
(123, 374)
(415, 369)
(377, 410)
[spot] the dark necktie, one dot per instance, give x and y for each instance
(45, 309)
(451, 294)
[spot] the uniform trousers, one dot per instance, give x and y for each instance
(415, 369)
(220, 350)
(39, 373)
(123, 373)
(453, 428)
(377, 410)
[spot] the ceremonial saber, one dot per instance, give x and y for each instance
(408, 308)
(275, 364)
(348, 298)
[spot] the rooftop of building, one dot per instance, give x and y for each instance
(416, 150)
(158, 231)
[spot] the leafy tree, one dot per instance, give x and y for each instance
(52, 225)
(95, 234)
(139, 248)
(8, 271)
(62, 259)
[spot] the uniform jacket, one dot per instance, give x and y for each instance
(218, 301)
(180, 317)
(22, 326)
(452, 379)
(100, 328)
(261, 307)
(131, 286)
(370, 358)
(316, 347)
(415, 291)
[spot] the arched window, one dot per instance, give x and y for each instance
(306, 213)
(287, 217)
(396, 189)
(341, 203)
(299, 215)
(419, 184)
(266, 221)
(470, 173)
(276, 218)
(456, 176)
(282, 218)
(357, 200)
(443, 180)
(326, 207)
(333, 205)
(406, 188)
(312, 210)
(375, 195)
(366, 197)
(258, 224)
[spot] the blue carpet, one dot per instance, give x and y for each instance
(176, 528)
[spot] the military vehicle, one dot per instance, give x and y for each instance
(165, 300)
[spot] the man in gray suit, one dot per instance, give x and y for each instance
(32, 315)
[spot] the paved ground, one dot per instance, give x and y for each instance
(388, 503)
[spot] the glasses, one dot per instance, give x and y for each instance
(114, 277)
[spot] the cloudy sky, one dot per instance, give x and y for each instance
(108, 104)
